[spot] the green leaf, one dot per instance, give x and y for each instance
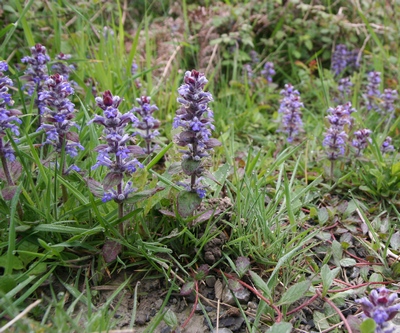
(327, 276)
(347, 262)
(14, 263)
(320, 321)
(282, 327)
(187, 202)
(260, 283)
(368, 326)
(138, 196)
(190, 166)
(323, 215)
(170, 318)
(294, 293)
(7, 283)
(337, 252)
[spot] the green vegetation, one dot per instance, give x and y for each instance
(314, 228)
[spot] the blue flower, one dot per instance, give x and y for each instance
(361, 140)
(290, 107)
(381, 305)
(148, 125)
(268, 71)
(196, 118)
(387, 146)
(58, 113)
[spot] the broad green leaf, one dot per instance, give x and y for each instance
(282, 327)
(170, 318)
(260, 283)
(187, 202)
(13, 261)
(368, 326)
(348, 262)
(327, 276)
(320, 321)
(294, 293)
(323, 215)
(337, 252)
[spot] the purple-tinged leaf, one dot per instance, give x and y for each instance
(167, 213)
(190, 166)
(73, 136)
(242, 265)
(112, 179)
(95, 187)
(234, 285)
(211, 143)
(187, 288)
(15, 169)
(100, 147)
(136, 150)
(8, 192)
(202, 272)
(207, 215)
(187, 203)
(138, 196)
(110, 250)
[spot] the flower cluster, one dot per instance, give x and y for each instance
(382, 306)
(148, 125)
(58, 113)
(361, 140)
(116, 155)
(196, 118)
(290, 107)
(62, 67)
(388, 97)
(336, 137)
(343, 58)
(36, 72)
(344, 87)
(387, 146)
(372, 95)
(8, 117)
(248, 71)
(268, 71)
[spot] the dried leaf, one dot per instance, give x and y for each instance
(395, 241)
(219, 289)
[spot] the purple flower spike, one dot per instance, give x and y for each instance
(388, 97)
(268, 72)
(290, 107)
(387, 146)
(36, 72)
(58, 113)
(339, 59)
(8, 117)
(117, 155)
(336, 137)
(344, 87)
(361, 140)
(382, 306)
(148, 126)
(62, 67)
(196, 119)
(372, 95)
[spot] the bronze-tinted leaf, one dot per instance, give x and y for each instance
(138, 196)
(112, 179)
(72, 136)
(110, 250)
(211, 143)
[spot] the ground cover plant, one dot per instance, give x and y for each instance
(199, 166)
